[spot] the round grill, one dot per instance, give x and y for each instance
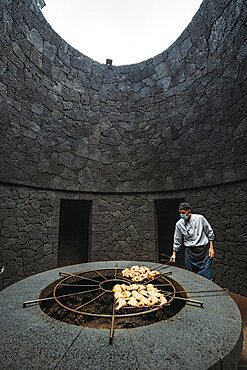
(90, 293)
(87, 299)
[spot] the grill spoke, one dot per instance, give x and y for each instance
(97, 272)
(86, 303)
(81, 285)
(77, 276)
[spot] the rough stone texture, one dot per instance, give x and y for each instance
(171, 126)
(225, 207)
(122, 226)
(69, 122)
(29, 232)
(195, 338)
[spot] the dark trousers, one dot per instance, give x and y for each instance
(197, 260)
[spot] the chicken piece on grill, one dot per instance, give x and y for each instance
(144, 301)
(153, 300)
(126, 294)
(133, 287)
(136, 295)
(140, 273)
(137, 278)
(124, 286)
(135, 267)
(141, 286)
(153, 274)
(117, 288)
(151, 287)
(143, 269)
(121, 303)
(155, 294)
(163, 300)
(144, 293)
(133, 302)
(140, 277)
(119, 295)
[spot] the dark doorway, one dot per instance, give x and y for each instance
(73, 232)
(167, 216)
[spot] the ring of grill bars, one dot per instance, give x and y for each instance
(99, 284)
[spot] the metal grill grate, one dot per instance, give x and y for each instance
(90, 294)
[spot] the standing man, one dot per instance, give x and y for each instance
(195, 233)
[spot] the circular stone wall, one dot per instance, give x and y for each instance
(196, 338)
(174, 121)
(173, 126)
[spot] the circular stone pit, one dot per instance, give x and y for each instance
(86, 299)
(195, 338)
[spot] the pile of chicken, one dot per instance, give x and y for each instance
(140, 273)
(137, 295)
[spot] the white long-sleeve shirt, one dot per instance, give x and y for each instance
(195, 232)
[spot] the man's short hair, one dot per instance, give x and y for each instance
(185, 206)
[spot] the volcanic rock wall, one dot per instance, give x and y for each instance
(171, 126)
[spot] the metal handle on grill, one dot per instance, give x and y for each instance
(112, 322)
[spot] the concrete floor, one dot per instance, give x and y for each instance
(242, 304)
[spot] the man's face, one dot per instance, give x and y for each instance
(185, 215)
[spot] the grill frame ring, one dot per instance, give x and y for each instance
(117, 279)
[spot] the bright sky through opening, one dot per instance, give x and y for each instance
(126, 31)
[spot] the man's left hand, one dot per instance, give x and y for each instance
(211, 253)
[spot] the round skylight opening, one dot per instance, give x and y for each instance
(126, 32)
